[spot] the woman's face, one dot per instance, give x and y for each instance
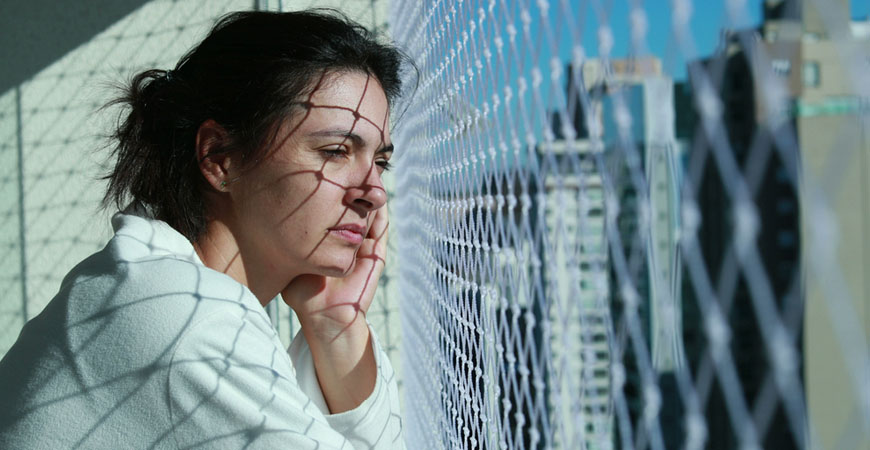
(306, 207)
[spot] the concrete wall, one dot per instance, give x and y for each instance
(835, 144)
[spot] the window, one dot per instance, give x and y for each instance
(781, 67)
(811, 74)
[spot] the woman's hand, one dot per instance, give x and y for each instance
(330, 306)
(332, 313)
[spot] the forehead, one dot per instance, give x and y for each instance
(353, 101)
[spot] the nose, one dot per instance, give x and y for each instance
(367, 196)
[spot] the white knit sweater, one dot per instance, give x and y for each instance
(145, 347)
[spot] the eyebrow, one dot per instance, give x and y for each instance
(353, 137)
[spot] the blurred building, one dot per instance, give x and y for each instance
(628, 112)
(789, 114)
(775, 202)
(576, 263)
(644, 171)
(821, 58)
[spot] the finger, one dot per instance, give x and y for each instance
(367, 273)
(371, 249)
(380, 223)
(367, 248)
(380, 228)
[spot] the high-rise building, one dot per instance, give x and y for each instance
(743, 134)
(575, 272)
(820, 57)
(628, 113)
(787, 91)
(644, 172)
(805, 16)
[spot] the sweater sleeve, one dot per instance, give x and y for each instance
(377, 422)
(230, 384)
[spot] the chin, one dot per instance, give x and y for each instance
(336, 267)
(334, 272)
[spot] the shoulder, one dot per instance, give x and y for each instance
(115, 327)
(138, 296)
(149, 276)
(157, 286)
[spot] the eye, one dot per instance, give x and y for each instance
(333, 152)
(383, 164)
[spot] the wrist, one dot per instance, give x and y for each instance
(324, 333)
(345, 365)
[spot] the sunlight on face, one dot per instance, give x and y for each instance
(308, 205)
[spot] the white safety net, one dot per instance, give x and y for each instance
(615, 234)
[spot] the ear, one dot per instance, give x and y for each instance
(214, 163)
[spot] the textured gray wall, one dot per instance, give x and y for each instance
(35, 33)
(63, 61)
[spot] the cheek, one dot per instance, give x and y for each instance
(291, 194)
(303, 207)
(300, 206)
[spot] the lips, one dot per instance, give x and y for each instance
(350, 232)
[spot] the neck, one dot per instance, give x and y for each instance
(219, 250)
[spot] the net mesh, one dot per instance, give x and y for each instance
(633, 224)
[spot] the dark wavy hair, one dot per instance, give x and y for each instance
(249, 74)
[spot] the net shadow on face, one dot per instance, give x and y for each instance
(356, 193)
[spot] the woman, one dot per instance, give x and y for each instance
(251, 169)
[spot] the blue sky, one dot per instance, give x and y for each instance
(558, 33)
(708, 18)
(554, 37)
